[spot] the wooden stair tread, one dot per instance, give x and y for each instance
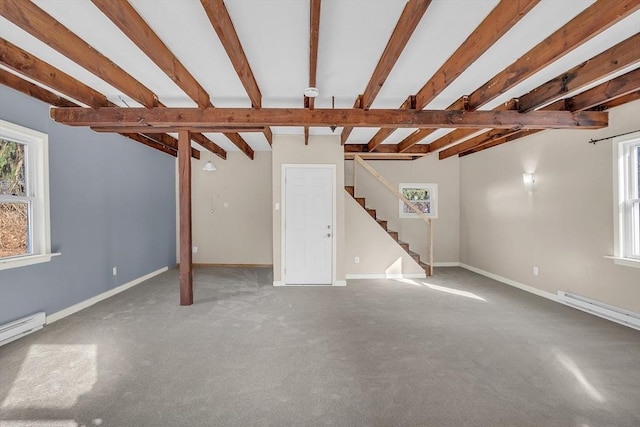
(384, 223)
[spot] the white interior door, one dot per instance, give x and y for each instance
(308, 225)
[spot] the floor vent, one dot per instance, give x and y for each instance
(19, 328)
(615, 314)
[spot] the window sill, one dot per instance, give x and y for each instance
(627, 262)
(23, 261)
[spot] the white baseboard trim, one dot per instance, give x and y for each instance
(387, 276)
(91, 301)
(513, 283)
(340, 283)
(278, 283)
(447, 264)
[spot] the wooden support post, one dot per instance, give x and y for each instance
(355, 167)
(184, 176)
(430, 247)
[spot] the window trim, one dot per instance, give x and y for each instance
(37, 146)
(621, 176)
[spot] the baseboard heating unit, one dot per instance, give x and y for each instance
(615, 314)
(18, 328)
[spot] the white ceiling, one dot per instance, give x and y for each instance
(275, 37)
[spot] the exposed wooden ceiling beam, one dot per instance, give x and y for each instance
(461, 103)
(633, 96)
(129, 21)
(28, 65)
(383, 156)
(612, 60)
(45, 28)
(411, 16)
(164, 129)
(30, 89)
(379, 137)
(240, 143)
(314, 37)
(605, 93)
(385, 148)
(500, 20)
(586, 25)
(458, 134)
(209, 145)
(151, 143)
(601, 95)
(615, 102)
(223, 25)
(24, 63)
(407, 23)
(214, 117)
(484, 138)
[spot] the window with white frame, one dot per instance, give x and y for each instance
(628, 197)
(24, 196)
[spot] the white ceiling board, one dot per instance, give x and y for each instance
(612, 36)
(537, 25)
(436, 134)
(399, 135)
(87, 22)
(256, 140)
(428, 49)
(222, 141)
(275, 39)
(9, 70)
(362, 135)
(27, 42)
(186, 30)
(353, 35)
(282, 130)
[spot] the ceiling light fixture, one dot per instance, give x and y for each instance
(311, 92)
(208, 167)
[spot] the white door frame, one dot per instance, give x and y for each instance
(283, 191)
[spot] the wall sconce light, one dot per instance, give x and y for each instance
(529, 180)
(208, 167)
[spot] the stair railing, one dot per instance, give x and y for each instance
(357, 160)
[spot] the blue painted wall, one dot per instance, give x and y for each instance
(112, 204)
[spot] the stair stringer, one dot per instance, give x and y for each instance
(380, 255)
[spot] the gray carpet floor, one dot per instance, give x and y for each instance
(457, 349)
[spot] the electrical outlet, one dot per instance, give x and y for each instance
(225, 204)
(535, 271)
(357, 260)
(115, 271)
(277, 206)
(194, 250)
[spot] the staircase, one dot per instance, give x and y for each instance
(394, 234)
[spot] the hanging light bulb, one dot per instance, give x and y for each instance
(333, 106)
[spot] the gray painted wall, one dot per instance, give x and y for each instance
(112, 204)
